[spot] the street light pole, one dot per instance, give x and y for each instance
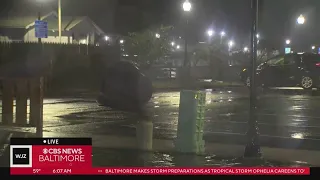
(186, 75)
(253, 147)
(59, 19)
(186, 44)
(39, 18)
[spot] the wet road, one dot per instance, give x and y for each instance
(129, 158)
(288, 119)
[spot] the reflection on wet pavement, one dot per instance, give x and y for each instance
(130, 158)
(282, 118)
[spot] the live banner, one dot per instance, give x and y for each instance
(73, 156)
(50, 153)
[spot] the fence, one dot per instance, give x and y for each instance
(60, 64)
(225, 73)
(25, 51)
(21, 89)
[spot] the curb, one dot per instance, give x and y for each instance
(5, 139)
(5, 144)
(201, 88)
(4, 149)
(3, 136)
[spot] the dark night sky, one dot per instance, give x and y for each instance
(277, 19)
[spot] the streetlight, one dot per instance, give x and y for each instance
(230, 44)
(245, 49)
(258, 36)
(107, 38)
(186, 6)
(178, 47)
(288, 41)
(172, 43)
(121, 41)
(301, 19)
(210, 33)
(222, 34)
(157, 35)
(313, 47)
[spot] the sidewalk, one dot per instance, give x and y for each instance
(176, 85)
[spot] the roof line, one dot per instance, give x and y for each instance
(96, 26)
(67, 26)
(43, 17)
(100, 31)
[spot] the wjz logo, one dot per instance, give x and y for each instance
(20, 156)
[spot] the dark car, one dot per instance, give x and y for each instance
(124, 87)
(286, 71)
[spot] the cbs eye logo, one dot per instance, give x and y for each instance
(20, 156)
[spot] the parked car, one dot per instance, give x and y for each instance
(286, 71)
(124, 87)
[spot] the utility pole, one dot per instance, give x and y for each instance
(39, 18)
(253, 145)
(59, 19)
(186, 75)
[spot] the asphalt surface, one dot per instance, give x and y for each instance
(287, 118)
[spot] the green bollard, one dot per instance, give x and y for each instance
(191, 122)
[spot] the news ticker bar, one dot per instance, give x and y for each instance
(51, 141)
(161, 171)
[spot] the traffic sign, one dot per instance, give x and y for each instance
(41, 29)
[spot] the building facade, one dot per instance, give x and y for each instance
(74, 30)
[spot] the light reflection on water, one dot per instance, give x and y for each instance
(299, 135)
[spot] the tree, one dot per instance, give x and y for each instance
(146, 49)
(244, 58)
(214, 53)
(210, 52)
(201, 53)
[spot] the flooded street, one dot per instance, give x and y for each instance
(286, 120)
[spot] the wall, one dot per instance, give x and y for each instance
(11, 34)
(30, 37)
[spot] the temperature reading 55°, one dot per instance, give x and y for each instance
(35, 171)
